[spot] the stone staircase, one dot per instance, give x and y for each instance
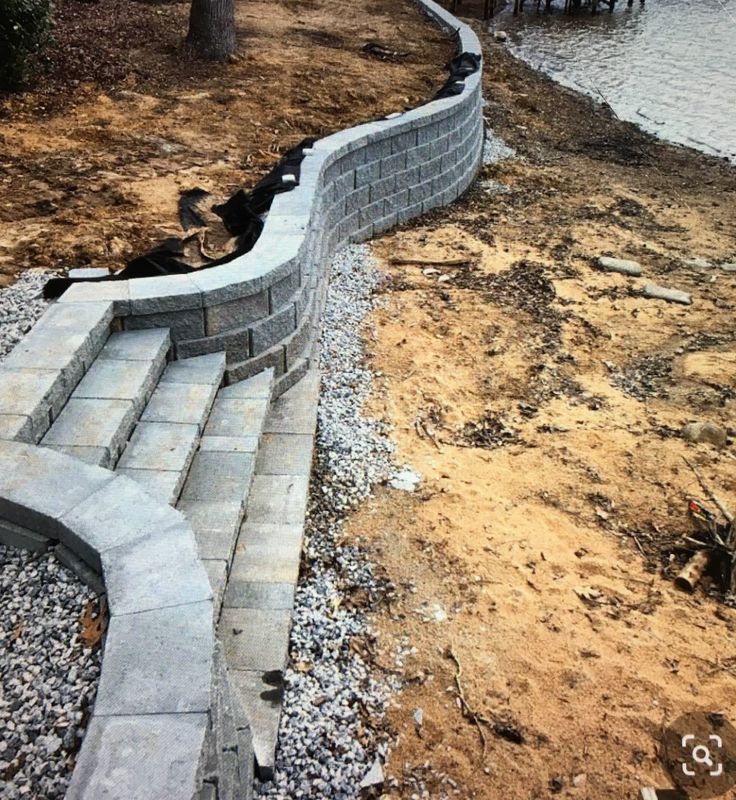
(236, 463)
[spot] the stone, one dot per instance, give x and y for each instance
(620, 265)
(374, 777)
(160, 446)
(222, 477)
(728, 266)
(296, 410)
(278, 499)
(236, 417)
(500, 36)
(144, 345)
(32, 393)
(405, 480)
(16, 426)
(164, 485)
(184, 403)
(152, 756)
(267, 553)
(96, 456)
(17, 536)
(207, 369)
(110, 379)
(255, 639)
(697, 263)
(670, 295)
(80, 568)
(83, 273)
(704, 432)
(257, 387)
(215, 525)
(285, 454)
(228, 444)
(256, 594)
(158, 662)
(217, 574)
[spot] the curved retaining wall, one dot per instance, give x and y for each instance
(262, 308)
(171, 723)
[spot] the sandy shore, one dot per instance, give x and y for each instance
(542, 400)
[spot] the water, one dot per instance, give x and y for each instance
(670, 66)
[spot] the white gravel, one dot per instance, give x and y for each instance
(495, 149)
(331, 728)
(20, 306)
(48, 678)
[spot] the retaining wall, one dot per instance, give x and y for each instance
(172, 720)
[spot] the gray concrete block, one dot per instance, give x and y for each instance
(385, 223)
(163, 485)
(207, 369)
(285, 454)
(267, 554)
(163, 294)
(93, 423)
(16, 426)
(158, 662)
(238, 313)
(298, 342)
(259, 386)
(237, 417)
(296, 410)
(144, 345)
(37, 486)
(367, 174)
(183, 403)
(160, 446)
(229, 778)
(278, 499)
(402, 142)
(80, 273)
(271, 331)
(224, 477)
(344, 184)
(409, 212)
(262, 705)
(257, 594)
(208, 792)
(118, 513)
(16, 536)
(96, 456)
(419, 155)
(156, 571)
(430, 169)
(33, 393)
(217, 575)
(149, 756)
(274, 358)
(228, 444)
(393, 164)
(109, 379)
(80, 568)
(396, 202)
(255, 639)
(283, 290)
(116, 293)
(215, 525)
(370, 213)
(295, 374)
(357, 199)
(382, 188)
(182, 325)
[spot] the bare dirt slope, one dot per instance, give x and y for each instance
(542, 401)
(93, 158)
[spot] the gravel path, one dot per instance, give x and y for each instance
(333, 706)
(48, 677)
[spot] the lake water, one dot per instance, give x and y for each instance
(669, 66)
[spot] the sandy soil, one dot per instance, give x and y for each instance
(93, 159)
(542, 401)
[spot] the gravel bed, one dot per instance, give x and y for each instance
(48, 677)
(495, 149)
(20, 306)
(331, 728)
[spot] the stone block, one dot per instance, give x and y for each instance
(93, 423)
(296, 410)
(357, 199)
(283, 290)
(158, 662)
(385, 223)
(160, 446)
(217, 575)
(116, 293)
(393, 164)
(267, 554)
(257, 594)
(182, 325)
(285, 454)
(396, 202)
(109, 379)
(370, 213)
(160, 295)
(367, 174)
(183, 403)
(16, 426)
(207, 369)
(223, 477)
(80, 568)
(228, 444)
(255, 639)
(238, 313)
(235, 343)
(96, 456)
(33, 393)
(258, 387)
(261, 703)
(215, 525)
(163, 485)
(383, 188)
(274, 358)
(271, 331)
(152, 756)
(143, 345)
(409, 212)
(419, 155)
(16, 536)
(156, 571)
(237, 417)
(278, 499)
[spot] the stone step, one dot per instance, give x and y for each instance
(256, 617)
(162, 447)
(103, 409)
(216, 491)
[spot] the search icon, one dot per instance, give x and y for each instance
(701, 755)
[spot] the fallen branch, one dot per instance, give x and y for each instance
(726, 513)
(469, 713)
(423, 262)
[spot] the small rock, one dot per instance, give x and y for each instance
(580, 780)
(697, 263)
(620, 265)
(704, 432)
(374, 776)
(728, 266)
(500, 36)
(406, 480)
(418, 717)
(670, 295)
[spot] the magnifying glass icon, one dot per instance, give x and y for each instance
(701, 755)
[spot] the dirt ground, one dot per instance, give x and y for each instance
(542, 401)
(94, 156)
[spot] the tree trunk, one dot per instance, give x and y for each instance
(212, 29)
